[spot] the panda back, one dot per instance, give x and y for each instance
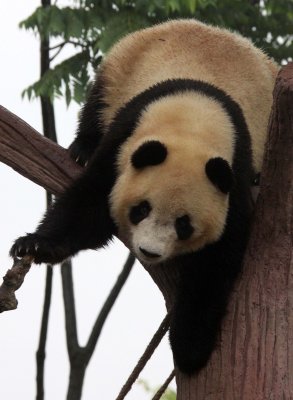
(189, 49)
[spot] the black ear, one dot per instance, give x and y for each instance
(220, 174)
(149, 153)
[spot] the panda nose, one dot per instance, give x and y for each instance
(148, 253)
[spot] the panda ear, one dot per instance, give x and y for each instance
(149, 153)
(220, 174)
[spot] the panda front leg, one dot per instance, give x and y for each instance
(198, 312)
(79, 219)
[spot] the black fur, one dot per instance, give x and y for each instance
(139, 212)
(90, 129)
(149, 153)
(207, 278)
(220, 174)
(80, 219)
(183, 227)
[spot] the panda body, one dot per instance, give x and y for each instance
(174, 128)
(188, 49)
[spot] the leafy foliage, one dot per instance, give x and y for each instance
(71, 74)
(169, 394)
(90, 27)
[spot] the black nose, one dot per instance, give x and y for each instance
(149, 254)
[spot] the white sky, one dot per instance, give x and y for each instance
(140, 307)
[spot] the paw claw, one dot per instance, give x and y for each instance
(38, 248)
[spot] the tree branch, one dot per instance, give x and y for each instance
(12, 281)
(60, 47)
(112, 297)
(41, 352)
(33, 156)
(69, 308)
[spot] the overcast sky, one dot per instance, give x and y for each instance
(140, 307)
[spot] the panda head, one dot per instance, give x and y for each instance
(166, 202)
(174, 176)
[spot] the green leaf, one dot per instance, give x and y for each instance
(191, 5)
(173, 5)
(119, 25)
(67, 94)
(74, 23)
(56, 25)
(69, 78)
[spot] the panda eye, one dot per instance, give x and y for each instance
(139, 212)
(183, 227)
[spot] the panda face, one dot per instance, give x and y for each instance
(171, 194)
(162, 211)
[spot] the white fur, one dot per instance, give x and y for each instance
(193, 50)
(154, 238)
(179, 186)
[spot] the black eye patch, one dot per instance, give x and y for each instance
(220, 174)
(149, 153)
(183, 227)
(139, 212)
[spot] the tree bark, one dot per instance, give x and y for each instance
(33, 156)
(254, 357)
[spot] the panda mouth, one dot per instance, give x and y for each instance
(149, 254)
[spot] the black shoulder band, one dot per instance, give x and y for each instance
(128, 116)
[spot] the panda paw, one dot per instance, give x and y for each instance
(191, 345)
(41, 249)
(191, 360)
(81, 151)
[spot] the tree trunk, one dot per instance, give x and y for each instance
(254, 357)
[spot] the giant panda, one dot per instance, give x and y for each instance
(172, 136)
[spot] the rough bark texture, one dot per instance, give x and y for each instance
(33, 156)
(254, 358)
(11, 282)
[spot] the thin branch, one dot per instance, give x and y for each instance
(156, 339)
(41, 353)
(80, 356)
(164, 387)
(112, 297)
(84, 46)
(69, 308)
(57, 52)
(57, 46)
(12, 281)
